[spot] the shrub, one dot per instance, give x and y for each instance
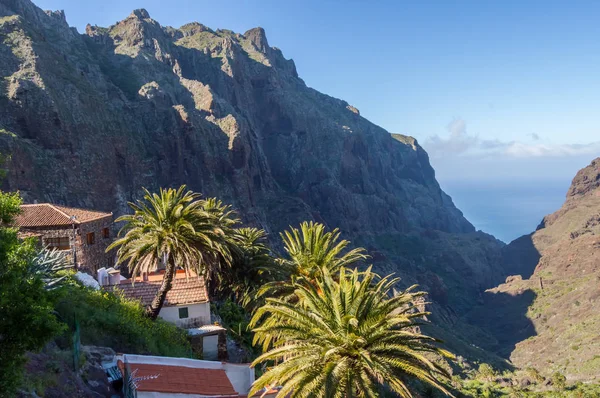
(534, 374)
(559, 380)
(486, 372)
(26, 319)
(235, 319)
(110, 320)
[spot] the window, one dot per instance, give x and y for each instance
(105, 233)
(183, 313)
(60, 243)
(91, 238)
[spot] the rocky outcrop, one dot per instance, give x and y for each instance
(551, 313)
(90, 119)
(50, 373)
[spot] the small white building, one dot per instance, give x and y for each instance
(186, 305)
(162, 377)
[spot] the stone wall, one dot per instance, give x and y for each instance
(94, 256)
(90, 257)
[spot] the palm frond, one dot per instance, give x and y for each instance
(346, 335)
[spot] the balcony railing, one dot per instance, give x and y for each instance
(190, 323)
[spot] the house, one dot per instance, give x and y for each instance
(162, 377)
(83, 233)
(186, 305)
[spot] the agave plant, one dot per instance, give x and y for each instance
(47, 263)
(346, 337)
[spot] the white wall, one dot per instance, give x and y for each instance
(210, 347)
(171, 313)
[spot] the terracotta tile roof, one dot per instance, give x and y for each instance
(190, 291)
(49, 215)
(182, 380)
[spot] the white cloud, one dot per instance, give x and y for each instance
(459, 143)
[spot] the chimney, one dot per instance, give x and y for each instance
(114, 276)
(102, 277)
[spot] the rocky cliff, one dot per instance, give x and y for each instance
(89, 119)
(547, 315)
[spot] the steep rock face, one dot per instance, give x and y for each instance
(551, 313)
(90, 119)
(224, 112)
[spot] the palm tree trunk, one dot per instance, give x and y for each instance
(158, 301)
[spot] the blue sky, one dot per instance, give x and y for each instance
(495, 91)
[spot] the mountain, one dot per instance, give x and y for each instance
(546, 315)
(89, 119)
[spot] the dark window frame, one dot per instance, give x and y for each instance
(58, 242)
(91, 238)
(185, 311)
(106, 233)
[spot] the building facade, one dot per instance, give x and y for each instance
(186, 305)
(83, 234)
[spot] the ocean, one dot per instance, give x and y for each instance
(507, 210)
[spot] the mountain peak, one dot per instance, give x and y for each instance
(258, 37)
(58, 15)
(140, 13)
(586, 180)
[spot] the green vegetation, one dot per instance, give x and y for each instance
(310, 249)
(236, 320)
(339, 331)
(334, 331)
(174, 228)
(9, 18)
(324, 328)
(405, 139)
(110, 320)
(559, 380)
(527, 383)
(345, 337)
(25, 303)
(253, 264)
(37, 295)
(8, 133)
(199, 40)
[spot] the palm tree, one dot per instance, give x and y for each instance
(222, 224)
(346, 337)
(252, 266)
(173, 228)
(310, 250)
